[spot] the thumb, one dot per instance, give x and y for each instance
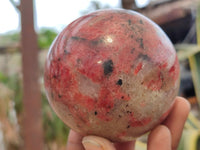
(97, 143)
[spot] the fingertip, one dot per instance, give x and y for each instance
(161, 137)
(125, 145)
(74, 141)
(97, 143)
(160, 132)
(184, 104)
(180, 109)
(176, 119)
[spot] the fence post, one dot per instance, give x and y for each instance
(32, 121)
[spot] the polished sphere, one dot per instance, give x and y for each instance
(112, 73)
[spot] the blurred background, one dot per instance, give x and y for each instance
(27, 29)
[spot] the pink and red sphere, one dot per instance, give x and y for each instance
(112, 73)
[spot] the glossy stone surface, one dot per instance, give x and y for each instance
(112, 73)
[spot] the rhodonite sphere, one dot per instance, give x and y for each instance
(112, 73)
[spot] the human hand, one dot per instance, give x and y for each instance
(165, 136)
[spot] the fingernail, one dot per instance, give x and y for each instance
(90, 144)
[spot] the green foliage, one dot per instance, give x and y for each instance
(3, 78)
(186, 50)
(14, 83)
(195, 70)
(10, 38)
(191, 135)
(46, 37)
(15, 36)
(54, 128)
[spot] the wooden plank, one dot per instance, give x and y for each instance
(128, 4)
(32, 121)
(170, 11)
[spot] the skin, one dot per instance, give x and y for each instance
(165, 136)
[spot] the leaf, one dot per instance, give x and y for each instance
(139, 145)
(195, 70)
(195, 59)
(189, 140)
(46, 37)
(192, 122)
(186, 50)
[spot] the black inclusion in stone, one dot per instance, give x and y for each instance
(52, 95)
(141, 22)
(78, 38)
(144, 57)
(140, 41)
(129, 22)
(119, 82)
(132, 50)
(66, 52)
(95, 113)
(108, 67)
(54, 76)
(60, 96)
